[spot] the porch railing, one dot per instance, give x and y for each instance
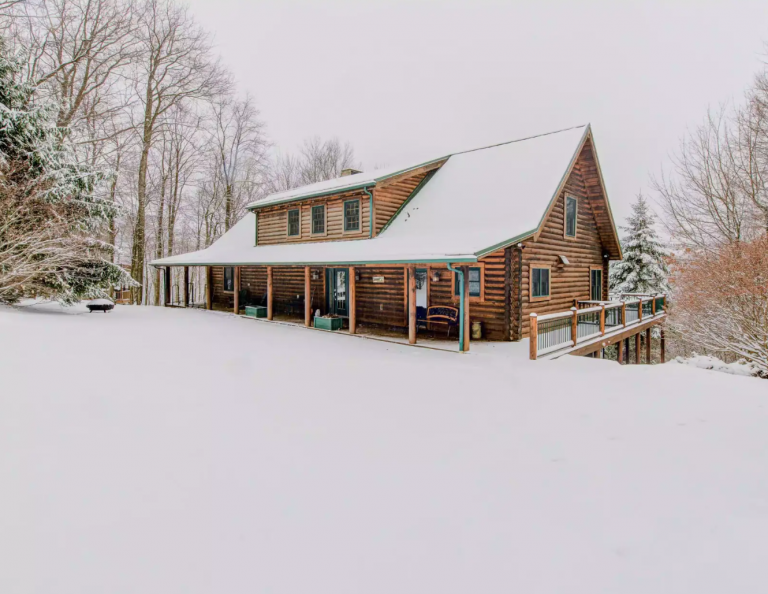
(557, 331)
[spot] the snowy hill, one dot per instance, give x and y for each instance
(172, 451)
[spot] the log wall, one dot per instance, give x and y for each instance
(388, 199)
(273, 221)
(572, 281)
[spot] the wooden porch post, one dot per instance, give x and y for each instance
(620, 351)
(637, 348)
(269, 292)
(467, 327)
(648, 346)
(662, 346)
(602, 322)
(186, 286)
(208, 287)
(307, 297)
(352, 302)
(412, 304)
(534, 340)
(167, 287)
(623, 314)
(237, 290)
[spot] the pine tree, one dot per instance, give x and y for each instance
(643, 269)
(51, 213)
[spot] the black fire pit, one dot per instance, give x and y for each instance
(104, 305)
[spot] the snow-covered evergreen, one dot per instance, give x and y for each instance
(643, 269)
(51, 215)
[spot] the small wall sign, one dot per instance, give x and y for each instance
(378, 279)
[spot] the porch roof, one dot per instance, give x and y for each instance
(235, 248)
(477, 202)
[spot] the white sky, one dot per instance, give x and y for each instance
(404, 80)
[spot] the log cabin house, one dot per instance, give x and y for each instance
(516, 236)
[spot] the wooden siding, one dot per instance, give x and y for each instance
(388, 199)
(273, 221)
(288, 285)
(595, 194)
(381, 303)
(567, 281)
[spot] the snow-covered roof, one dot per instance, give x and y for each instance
(337, 185)
(476, 202)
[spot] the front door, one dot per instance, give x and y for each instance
(596, 283)
(337, 281)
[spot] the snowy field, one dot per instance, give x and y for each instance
(160, 451)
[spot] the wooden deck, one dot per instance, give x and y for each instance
(592, 328)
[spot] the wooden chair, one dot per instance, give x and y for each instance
(443, 314)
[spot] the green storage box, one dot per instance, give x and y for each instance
(328, 323)
(256, 311)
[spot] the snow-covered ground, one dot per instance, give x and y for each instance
(168, 451)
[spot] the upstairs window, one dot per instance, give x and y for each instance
(571, 208)
(352, 215)
(294, 222)
(229, 278)
(539, 282)
(475, 283)
(318, 219)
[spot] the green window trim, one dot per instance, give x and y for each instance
(571, 213)
(318, 219)
(540, 282)
(294, 224)
(475, 282)
(352, 215)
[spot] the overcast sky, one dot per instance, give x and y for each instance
(404, 81)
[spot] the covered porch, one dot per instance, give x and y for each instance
(427, 303)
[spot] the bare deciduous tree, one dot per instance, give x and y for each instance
(177, 67)
(705, 200)
(241, 148)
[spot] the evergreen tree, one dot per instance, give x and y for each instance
(643, 269)
(51, 214)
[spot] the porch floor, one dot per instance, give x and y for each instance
(425, 339)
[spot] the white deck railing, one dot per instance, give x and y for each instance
(561, 330)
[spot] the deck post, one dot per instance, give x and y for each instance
(637, 348)
(186, 286)
(624, 314)
(575, 325)
(237, 290)
(648, 346)
(602, 321)
(662, 346)
(640, 310)
(352, 302)
(308, 297)
(653, 305)
(411, 304)
(269, 293)
(208, 287)
(167, 287)
(467, 327)
(534, 340)
(620, 352)
(626, 351)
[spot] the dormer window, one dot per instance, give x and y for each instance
(318, 219)
(294, 222)
(352, 215)
(571, 210)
